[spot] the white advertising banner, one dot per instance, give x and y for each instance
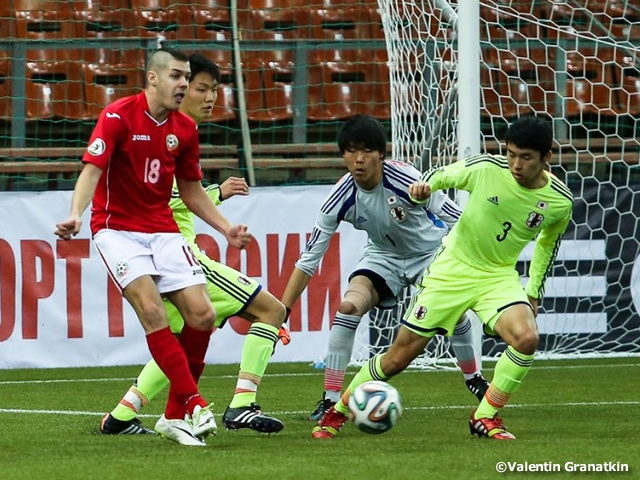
(59, 309)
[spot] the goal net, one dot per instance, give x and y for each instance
(575, 63)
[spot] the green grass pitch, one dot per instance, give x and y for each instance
(580, 411)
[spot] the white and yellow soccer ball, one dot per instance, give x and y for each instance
(375, 406)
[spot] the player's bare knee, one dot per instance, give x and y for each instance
(267, 309)
(276, 314)
(527, 342)
(152, 316)
(201, 319)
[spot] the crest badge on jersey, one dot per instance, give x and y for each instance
(398, 213)
(172, 142)
(392, 199)
(122, 268)
(542, 205)
(420, 312)
(534, 220)
(97, 147)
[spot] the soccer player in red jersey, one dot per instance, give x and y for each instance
(137, 147)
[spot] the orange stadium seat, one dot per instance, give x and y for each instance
(626, 81)
(7, 23)
(254, 92)
(339, 3)
(508, 96)
(5, 85)
(337, 24)
(276, 24)
(211, 20)
(341, 93)
(43, 19)
(104, 18)
(619, 17)
(54, 85)
(629, 98)
(278, 52)
(514, 22)
(315, 97)
(110, 74)
(164, 19)
(278, 91)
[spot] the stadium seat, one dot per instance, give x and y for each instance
(278, 91)
(164, 19)
(620, 19)
(5, 85)
(54, 85)
(626, 82)
(211, 20)
(7, 23)
(110, 74)
(104, 18)
(505, 97)
(315, 100)
(508, 23)
(336, 25)
(43, 20)
(287, 24)
(342, 93)
(629, 98)
(339, 3)
(376, 76)
(278, 52)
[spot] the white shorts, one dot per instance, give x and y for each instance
(164, 256)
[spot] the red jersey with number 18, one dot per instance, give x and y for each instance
(139, 157)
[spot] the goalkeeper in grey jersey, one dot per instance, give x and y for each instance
(402, 238)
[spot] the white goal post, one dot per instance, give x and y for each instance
(575, 62)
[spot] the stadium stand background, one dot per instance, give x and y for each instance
(306, 66)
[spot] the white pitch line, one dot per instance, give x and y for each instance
(288, 412)
(538, 366)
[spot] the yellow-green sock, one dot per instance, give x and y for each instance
(149, 383)
(510, 370)
(369, 371)
(256, 352)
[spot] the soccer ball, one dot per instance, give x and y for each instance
(375, 406)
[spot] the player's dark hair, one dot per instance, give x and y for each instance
(531, 132)
(362, 131)
(199, 63)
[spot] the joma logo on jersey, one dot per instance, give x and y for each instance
(398, 214)
(535, 220)
(140, 138)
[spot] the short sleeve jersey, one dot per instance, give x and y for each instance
(139, 157)
(394, 223)
(501, 217)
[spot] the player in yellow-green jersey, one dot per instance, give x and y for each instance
(231, 293)
(513, 200)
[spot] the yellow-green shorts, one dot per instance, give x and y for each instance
(229, 290)
(450, 287)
